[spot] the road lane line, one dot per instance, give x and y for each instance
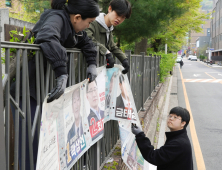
(206, 80)
(195, 80)
(196, 145)
(210, 75)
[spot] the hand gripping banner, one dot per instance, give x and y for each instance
(71, 124)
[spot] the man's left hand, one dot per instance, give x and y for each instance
(125, 64)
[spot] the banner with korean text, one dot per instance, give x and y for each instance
(71, 124)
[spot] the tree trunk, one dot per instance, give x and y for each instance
(141, 46)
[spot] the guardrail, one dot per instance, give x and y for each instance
(143, 77)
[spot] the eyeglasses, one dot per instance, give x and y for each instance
(173, 117)
(93, 90)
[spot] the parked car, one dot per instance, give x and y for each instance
(189, 58)
(194, 58)
(178, 59)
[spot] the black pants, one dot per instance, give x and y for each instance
(33, 104)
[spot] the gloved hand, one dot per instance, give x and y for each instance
(135, 129)
(125, 64)
(59, 89)
(91, 72)
(110, 60)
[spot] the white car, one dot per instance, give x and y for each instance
(190, 56)
(178, 59)
(193, 58)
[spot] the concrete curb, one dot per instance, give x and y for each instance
(161, 139)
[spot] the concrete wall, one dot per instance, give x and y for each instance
(20, 23)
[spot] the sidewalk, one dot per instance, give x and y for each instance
(171, 101)
(210, 66)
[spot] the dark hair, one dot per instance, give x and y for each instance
(122, 7)
(86, 8)
(121, 79)
(87, 86)
(183, 113)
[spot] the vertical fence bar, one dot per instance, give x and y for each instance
(7, 109)
(24, 82)
(16, 121)
(143, 76)
(28, 113)
(154, 84)
(97, 57)
(128, 55)
(37, 93)
(72, 68)
(79, 67)
(42, 78)
(2, 133)
(47, 78)
(151, 68)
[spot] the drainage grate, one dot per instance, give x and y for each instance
(173, 93)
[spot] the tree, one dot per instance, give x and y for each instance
(176, 32)
(147, 18)
(31, 10)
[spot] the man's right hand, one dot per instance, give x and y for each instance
(59, 89)
(110, 60)
(135, 129)
(91, 72)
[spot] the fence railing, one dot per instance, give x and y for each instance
(143, 77)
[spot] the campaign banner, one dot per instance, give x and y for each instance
(71, 124)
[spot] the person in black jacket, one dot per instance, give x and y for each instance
(59, 28)
(176, 154)
(181, 63)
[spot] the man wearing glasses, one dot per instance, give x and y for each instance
(176, 153)
(75, 134)
(96, 116)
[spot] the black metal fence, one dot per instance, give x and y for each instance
(143, 77)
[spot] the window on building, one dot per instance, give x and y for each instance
(208, 31)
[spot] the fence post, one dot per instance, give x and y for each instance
(150, 77)
(155, 73)
(2, 132)
(143, 59)
(128, 55)
(97, 56)
(158, 79)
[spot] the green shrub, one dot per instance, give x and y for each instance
(167, 63)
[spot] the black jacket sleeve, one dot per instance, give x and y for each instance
(87, 47)
(164, 155)
(49, 39)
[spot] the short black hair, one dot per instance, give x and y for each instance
(86, 8)
(87, 86)
(121, 79)
(122, 7)
(183, 113)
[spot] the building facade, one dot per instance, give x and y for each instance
(216, 30)
(201, 39)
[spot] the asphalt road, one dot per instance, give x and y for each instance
(204, 91)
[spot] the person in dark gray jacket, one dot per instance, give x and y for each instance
(176, 153)
(59, 28)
